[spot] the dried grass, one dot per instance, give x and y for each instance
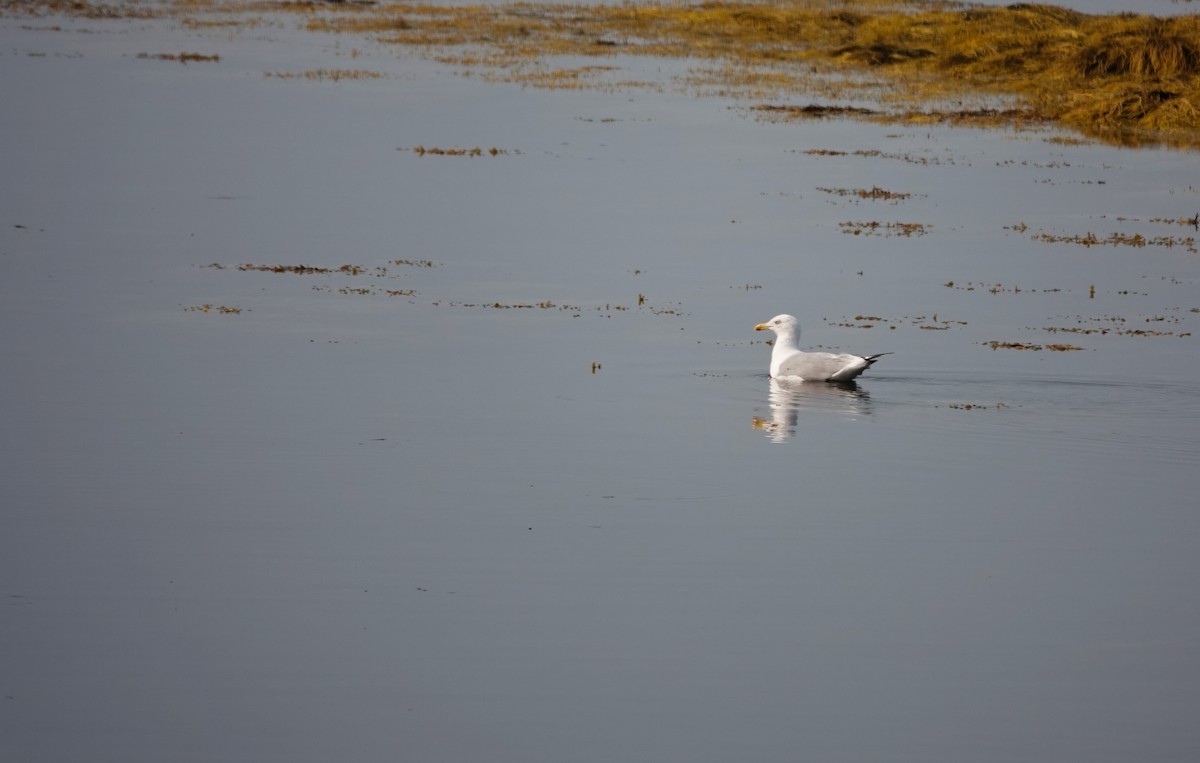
(1124, 78)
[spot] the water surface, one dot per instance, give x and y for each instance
(536, 499)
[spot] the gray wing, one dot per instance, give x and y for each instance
(826, 366)
(823, 366)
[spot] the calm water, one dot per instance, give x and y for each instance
(412, 515)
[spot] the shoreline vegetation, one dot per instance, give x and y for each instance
(1124, 79)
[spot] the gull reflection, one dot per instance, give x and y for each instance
(786, 399)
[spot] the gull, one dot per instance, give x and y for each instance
(788, 362)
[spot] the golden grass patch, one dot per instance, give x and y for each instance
(1123, 78)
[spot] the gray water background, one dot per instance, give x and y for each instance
(354, 526)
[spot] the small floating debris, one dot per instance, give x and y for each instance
(1033, 347)
(926, 323)
(543, 305)
(1193, 221)
(877, 154)
(1105, 331)
(864, 322)
(218, 309)
(1135, 240)
(351, 270)
(348, 269)
(813, 111)
(876, 228)
(998, 288)
(937, 324)
(331, 75)
(476, 151)
(183, 58)
(874, 193)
